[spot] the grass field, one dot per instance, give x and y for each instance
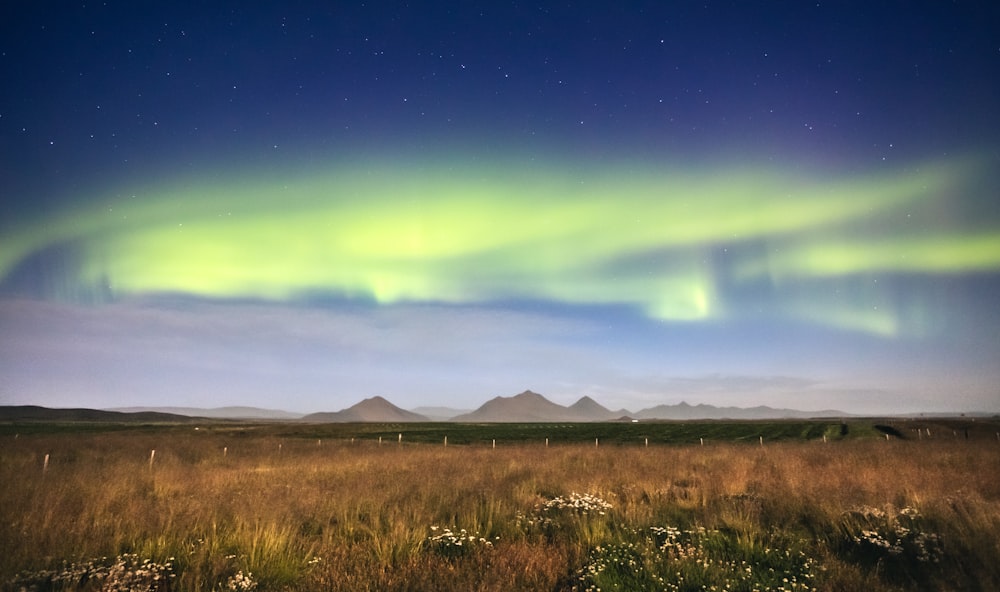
(758, 506)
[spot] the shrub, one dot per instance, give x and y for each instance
(896, 542)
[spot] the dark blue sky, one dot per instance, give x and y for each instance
(791, 203)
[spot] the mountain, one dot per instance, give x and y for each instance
(532, 407)
(525, 407)
(439, 413)
(587, 409)
(215, 412)
(36, 413)
(374, 409)
(682, 411)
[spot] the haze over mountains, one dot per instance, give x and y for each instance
(527, 406)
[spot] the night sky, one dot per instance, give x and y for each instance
(793, 204)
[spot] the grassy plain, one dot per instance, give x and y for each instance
(326, 507)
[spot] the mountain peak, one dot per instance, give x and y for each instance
(590, 410)
(586, 401)
(529, 394)
(373, 409)
(376, 401)
(528, 406)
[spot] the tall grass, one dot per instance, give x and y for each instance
(336, 515)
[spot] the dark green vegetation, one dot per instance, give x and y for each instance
(605, 433)
(573, 433)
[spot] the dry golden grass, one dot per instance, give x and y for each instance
(356, 516)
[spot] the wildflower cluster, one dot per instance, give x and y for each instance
(241, 582)
(898, 535)
(579, 503)
(616, 566)
(560, 512)
(451, 543)
(125, 573)
(667, 558)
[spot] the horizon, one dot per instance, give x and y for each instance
(567, 404)
(721, 205)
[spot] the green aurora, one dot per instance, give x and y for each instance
(677, 245)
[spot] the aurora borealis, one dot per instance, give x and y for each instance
(170, 239)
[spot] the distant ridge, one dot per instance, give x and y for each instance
(234, 412)
(37, 413)
(683, 411)
(374, 410)
(527, 407)
(530, 406)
